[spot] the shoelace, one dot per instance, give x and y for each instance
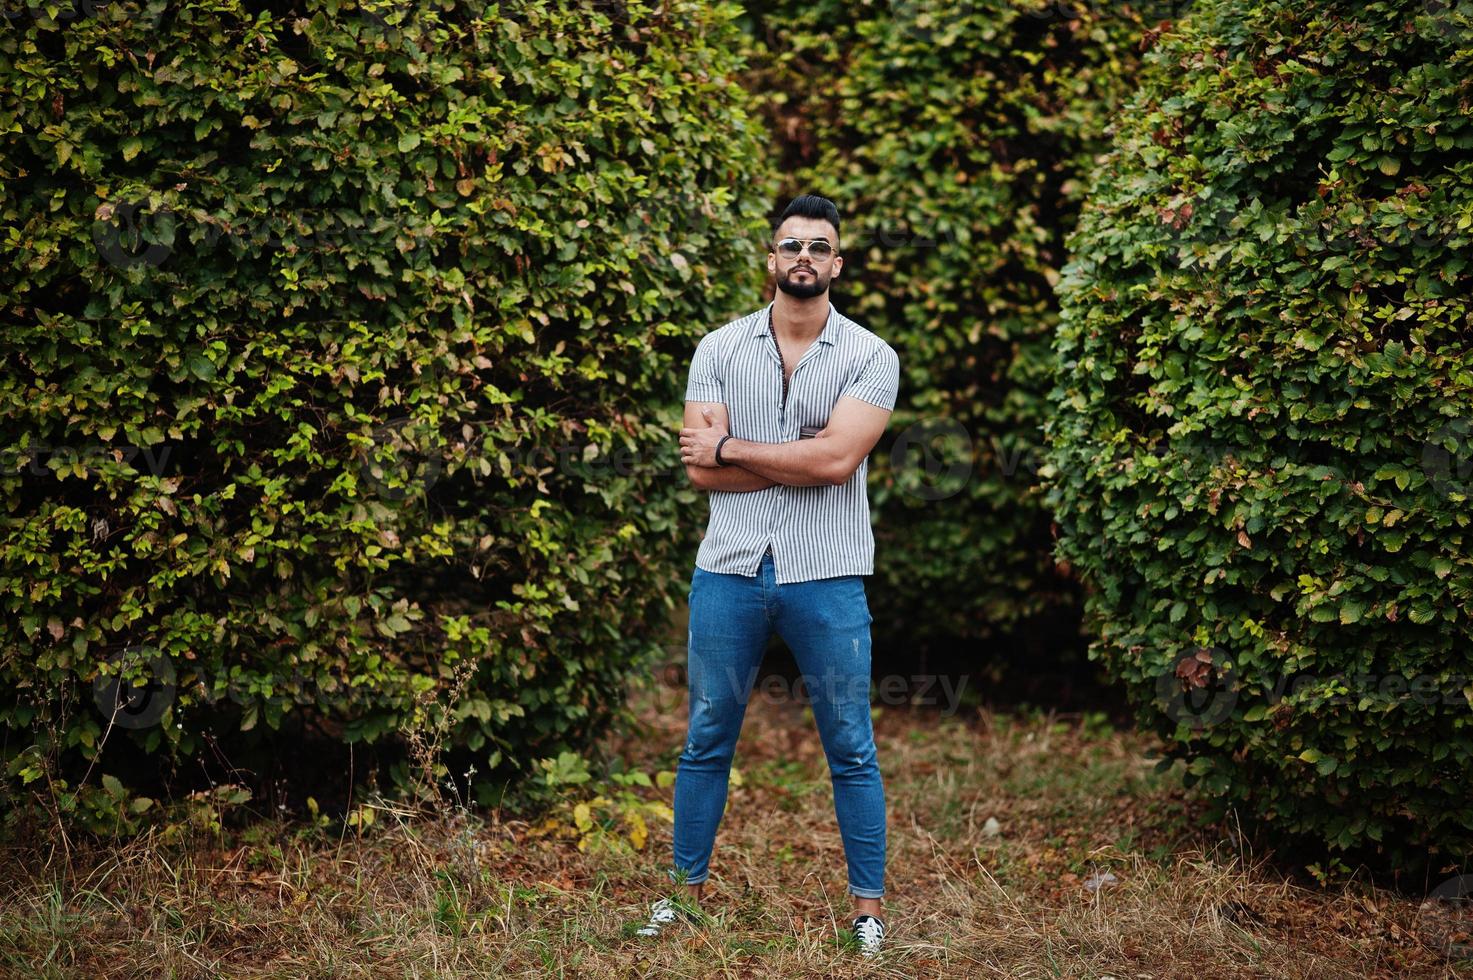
(870, 931)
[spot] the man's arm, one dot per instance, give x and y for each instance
(830, 458)
(704, 393)
(732, 478)
(855, 425)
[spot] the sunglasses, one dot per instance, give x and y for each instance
(793, 247)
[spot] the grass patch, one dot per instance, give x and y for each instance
(1000, 830)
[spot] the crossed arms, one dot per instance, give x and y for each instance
(828, 459)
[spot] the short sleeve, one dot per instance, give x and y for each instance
(878, 381)
(703, 384)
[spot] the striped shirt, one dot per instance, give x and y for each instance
(813, 532)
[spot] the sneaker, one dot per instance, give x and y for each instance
(662, 913)
(870, 932)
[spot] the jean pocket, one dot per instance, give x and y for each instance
(862, 599)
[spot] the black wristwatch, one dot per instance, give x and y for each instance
(719, 444)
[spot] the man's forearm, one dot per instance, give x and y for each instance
(801, 463)
(731, 478)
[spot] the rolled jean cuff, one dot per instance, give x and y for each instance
(675, 877)
(866, 892)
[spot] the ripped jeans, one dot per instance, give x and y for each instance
(825, 622)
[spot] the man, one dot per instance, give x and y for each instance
(782, 409)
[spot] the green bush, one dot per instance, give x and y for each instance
(1259, 448)
(953, 138)
(346, 346)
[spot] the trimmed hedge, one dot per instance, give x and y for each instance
(344, 347)
(1259, 453)
(953, 138)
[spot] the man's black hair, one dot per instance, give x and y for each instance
(810, 206)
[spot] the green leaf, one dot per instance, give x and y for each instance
(201, 367)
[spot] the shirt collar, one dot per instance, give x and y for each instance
(829, 335)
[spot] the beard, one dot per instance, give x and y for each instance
(808, 288)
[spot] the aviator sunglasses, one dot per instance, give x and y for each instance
(793, 247)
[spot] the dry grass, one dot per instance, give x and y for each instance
(478, 895)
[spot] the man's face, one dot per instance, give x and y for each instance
(804, 276)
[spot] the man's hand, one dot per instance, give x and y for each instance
(731, 478)
(698, 446)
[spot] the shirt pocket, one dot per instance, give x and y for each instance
(818, 402)
(752, 407)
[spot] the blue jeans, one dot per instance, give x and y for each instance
(825, 622)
